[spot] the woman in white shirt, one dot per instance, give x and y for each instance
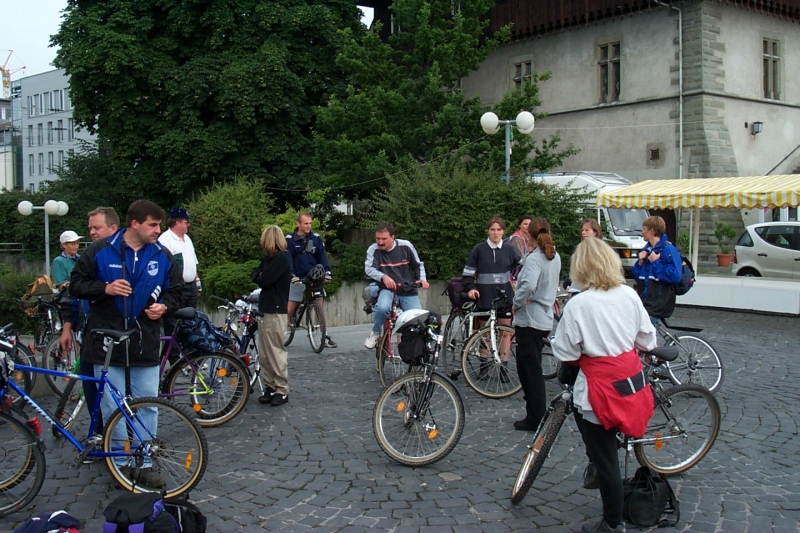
(601, 330)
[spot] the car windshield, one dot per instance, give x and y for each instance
(627, 222)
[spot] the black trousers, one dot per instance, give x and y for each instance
(603, 450)
(90, 391)
(529, 368)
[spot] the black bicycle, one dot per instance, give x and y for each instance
(311, 307)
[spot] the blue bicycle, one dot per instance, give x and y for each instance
(170, 459)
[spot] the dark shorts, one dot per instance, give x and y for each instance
(502, 312)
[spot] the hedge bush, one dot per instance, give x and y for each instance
(14, 285)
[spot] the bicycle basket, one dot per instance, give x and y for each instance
(41, 288)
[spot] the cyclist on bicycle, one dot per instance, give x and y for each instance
(657, 270)
(392, 262)
(307, 251)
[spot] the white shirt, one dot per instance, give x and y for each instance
(183, 250)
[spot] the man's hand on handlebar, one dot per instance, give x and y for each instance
(295, 280)
(424, 284)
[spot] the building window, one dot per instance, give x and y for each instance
(30, 134)
(59, 103)
(42, 108)
(49, 133)
(40, 133)
(51, 163)
(70, 130)
(32, 187)
(610, 72)
(772, 68)
(67, 103)
(522, 73)
(31, 106)
(41, 164)
(31, 165)
(61, 158)
(60, 130)
(50, 106)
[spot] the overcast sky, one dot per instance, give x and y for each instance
(26, 29)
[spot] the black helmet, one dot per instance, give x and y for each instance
(316, 275)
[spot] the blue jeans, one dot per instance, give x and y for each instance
(384, 307)
(144, 382)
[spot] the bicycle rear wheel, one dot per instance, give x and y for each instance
(52, 360)
(682, 430)
(454, 337)
(484, 370)
(315, 322)
(291, 325)
(549, 362)
(697, 362)
(538, 451)
(418, 423)
(215, 387)
(22, 467)
(177, 451)
(390, 366)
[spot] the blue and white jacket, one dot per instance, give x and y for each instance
(655, 281)
(154, 277)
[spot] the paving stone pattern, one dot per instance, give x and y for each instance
(314, 464)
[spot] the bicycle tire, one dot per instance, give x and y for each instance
(697, 362)
(23, 467)
(549, 362)
(453, 343)
(390, 366)
(24, 356)
(22, 380)
(682, 430)
(214, 387)
(52, 360)
(424, 438)
(483, 372)
(315, 324)
(291, 325)
(254, 368)
(179, 452)
(69, 406)
(538, 451)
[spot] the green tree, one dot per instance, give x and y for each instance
(400, 107)
(186, 93)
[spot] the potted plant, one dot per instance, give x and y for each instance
(724, 233)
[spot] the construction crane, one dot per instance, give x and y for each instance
(6, 73)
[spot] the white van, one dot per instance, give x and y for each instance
(622, 228)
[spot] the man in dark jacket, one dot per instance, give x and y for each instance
(658, 269)
(131, 282)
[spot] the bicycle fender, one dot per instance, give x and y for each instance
(458, 391)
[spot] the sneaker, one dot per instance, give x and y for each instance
(590, 477)
(603, 527)
(372, 340)
(269, 392)
(279, 399)
(147, 477)
(525, 425)
(329, 343)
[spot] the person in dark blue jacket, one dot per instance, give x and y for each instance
(307, 251)
(131, 282)
(658, 270)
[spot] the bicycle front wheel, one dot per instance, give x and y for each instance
(682, 430)
(417, 422)
(697, 362)
(549, 362)
(315, 322)
(390, 366)
(538, 451)
(22, 467)
(215, 387)
(53, 358)
(454, 337)
(172, 447)
(490, 372)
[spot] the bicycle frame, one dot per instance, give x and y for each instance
(310, 293)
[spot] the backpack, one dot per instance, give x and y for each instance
(138, 513)
(42, 288)
(455, 291)
(199, 336)
(186, 514)
(647, 496)
(687, 277)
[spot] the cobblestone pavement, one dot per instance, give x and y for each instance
(314, 464)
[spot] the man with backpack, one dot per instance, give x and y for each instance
(307, 251)
(658, 270)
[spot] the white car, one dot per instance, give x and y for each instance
(770, 250)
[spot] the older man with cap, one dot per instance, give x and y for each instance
(63, 264)
(177, 241)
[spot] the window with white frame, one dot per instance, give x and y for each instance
(31, 165)
(67, 102)
(50, 132)
(31, 106)
(41, 164)
(61, 158)
(772, 69)
(30, 134)
(49, 102)
(40, 133)
(60, 130)
(70, 130)
(610, 66)
(59, 97)
(51, 163)
(42, 110)
(32, 187)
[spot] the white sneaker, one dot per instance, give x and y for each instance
(372, 340)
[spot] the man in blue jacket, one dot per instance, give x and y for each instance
(131, 282)
(307, 251)
(658, 270)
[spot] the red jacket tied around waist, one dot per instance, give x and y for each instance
(619, 392)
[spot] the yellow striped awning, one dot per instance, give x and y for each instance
(744, 193)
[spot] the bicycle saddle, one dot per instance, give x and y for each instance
(665, 353)
(113, 334)
(185, 313)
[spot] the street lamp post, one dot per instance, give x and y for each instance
(491, 125)
(50, 207)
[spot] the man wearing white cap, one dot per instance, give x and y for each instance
(62, 265)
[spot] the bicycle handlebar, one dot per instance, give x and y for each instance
(221, 300)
